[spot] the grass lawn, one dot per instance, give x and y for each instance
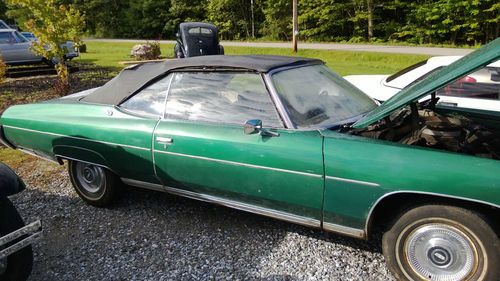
(342, 62)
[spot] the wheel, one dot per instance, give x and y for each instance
(94, 184)
(178, 51)
(438, 242)
(16, 267)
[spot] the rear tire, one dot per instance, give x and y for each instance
(16, 267)
(178, 51)
(438, 242)
(94, 184)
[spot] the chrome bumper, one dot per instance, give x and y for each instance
(33, 232)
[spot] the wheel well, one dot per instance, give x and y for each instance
(391, 207)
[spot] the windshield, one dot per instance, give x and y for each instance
(314, 96)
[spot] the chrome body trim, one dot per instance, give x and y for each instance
(78, 138)
(145, 185)
(277, 101)
(353, 181)
(283, 117)
(164, 113)
(229, 203)
(369, 216)
(278, 106)
(32, 153)
(74, 159)
(153, 149)
(349, 231)
(241, 164)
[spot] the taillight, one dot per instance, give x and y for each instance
(467, 79)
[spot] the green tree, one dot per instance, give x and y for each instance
(182, 11)
(277, 23)
(147, 19)
(53, 24)
(3, 10)
(325, 19)
(232, 17)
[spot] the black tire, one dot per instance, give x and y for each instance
(434, 241)
(94, 184)
(178, 53)
(19, 264)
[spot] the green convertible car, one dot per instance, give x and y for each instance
(287, 138)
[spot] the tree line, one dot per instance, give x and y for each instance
(464, 22)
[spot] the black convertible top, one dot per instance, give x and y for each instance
(134, 78)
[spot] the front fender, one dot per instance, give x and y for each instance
(10, 183)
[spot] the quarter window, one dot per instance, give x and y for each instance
(151, 100)
(229, 98)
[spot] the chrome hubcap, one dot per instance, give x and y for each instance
(440, 252)
(90, 177)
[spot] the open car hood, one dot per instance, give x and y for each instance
(475, 60)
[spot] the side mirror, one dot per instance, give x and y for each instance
(252, 126)
(255, 126)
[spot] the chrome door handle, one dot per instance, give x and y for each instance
(164, 140)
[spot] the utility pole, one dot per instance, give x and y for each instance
(253, 21)
(295, 26)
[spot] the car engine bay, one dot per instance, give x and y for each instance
(421, 125)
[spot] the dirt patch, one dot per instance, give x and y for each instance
(39, 88)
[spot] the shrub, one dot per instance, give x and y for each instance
(147, 51)
(3, 70)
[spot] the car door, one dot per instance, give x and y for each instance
(201, 150)
(7, 46)
(22, 49)
(15, 48)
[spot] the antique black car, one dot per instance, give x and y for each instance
(197, 39)
(16, 256)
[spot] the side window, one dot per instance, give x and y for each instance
(229, 98)
(19, 38)
(151, 100)
(5, 37)
(482, 84)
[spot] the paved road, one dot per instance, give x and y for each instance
(431, 51)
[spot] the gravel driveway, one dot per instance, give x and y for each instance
(155, 236)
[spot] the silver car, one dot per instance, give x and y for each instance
(16, 49)
(3, 25)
